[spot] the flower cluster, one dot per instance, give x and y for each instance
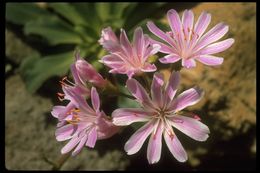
(160, 110)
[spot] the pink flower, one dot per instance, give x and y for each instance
(84, 125)
(127, 58)
(161, 112)
(187, 43)
(83, 74)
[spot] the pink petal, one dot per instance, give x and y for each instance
(191, 127)
(125, 44)
(187, 20)
(202, 23)
(70, 145)
(151, 50)
(210, 60)
(92, 137)
(75, 74)
(109, 40)
(163, 47)
(172, 58)
(217, 47)
(156, 89)
(172, 86)
(82, 104)
(88, 73)
(187, 98)
(80, 146)
(57, 110)
(127, 116)
(174, 21)
(155, 145)
(136, 141)
(188, 63)
(148, 67)
(112, 61)
(105, 127)
(64, 133)
(138, 43)
(175, 147)
(212, 35)
(159, 33)
(95, 99)
(139, 92)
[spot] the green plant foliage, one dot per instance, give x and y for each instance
(76, 24)
(37, 69)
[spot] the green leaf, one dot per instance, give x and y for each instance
(124, 102)
(89, 13)
(140, 12)
(69, 12)
(103, 10)
(21, 13)
(118, 8)
(36, 70)
(54, 30)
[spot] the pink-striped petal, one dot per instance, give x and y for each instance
(127, 116)
(212, 35)
(109, 40)
(163, 47)
(139, 92)
(148, 67)
(75, 74)
(210, 60)
(125, 43)
(156, 89)
(92, 137)
(88, 73)
(159, 33)
(202, 23)
(95, 99)
(112, 59)
(191, 127)
(57, 110)
(80, 145)
(174, 21)
(155, 145)
(138, 43)
(65, 132)
(188, 63)
(172, 58)
(217, 47)
(187, 98)
(187, 21)
(175, 147)
(70, 145)
(136, 141)
(172, 86)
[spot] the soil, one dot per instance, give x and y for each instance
(228, 108)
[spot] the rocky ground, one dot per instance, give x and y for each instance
(228, 108)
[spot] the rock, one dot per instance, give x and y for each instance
(29, 136)
(16, 50)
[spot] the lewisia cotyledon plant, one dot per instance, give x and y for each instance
(188, 43)
(83, 125)
(84, 75)
(127, 58)
(161, 112)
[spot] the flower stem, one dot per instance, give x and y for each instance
(61, 161)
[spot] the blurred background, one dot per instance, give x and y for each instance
(40, 41)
